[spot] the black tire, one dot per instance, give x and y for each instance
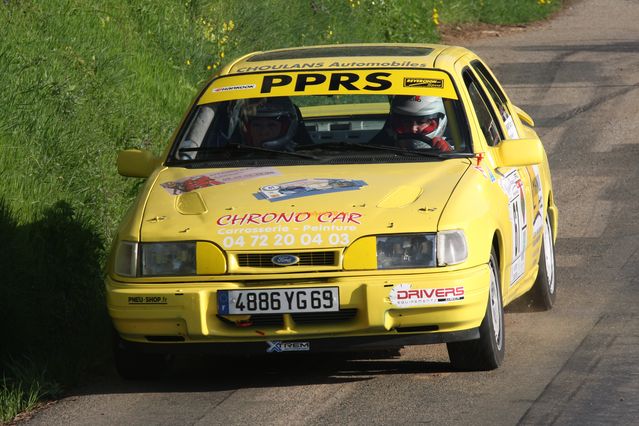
(487, 352)
(544, 291)
(135, 365)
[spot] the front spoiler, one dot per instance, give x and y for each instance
(332, 344)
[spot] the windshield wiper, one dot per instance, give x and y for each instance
(248, 148)
(348, 145)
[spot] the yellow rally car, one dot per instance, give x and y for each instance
(335, 197)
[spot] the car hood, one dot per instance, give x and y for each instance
(297, 206)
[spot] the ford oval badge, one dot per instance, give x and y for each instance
(285, 260)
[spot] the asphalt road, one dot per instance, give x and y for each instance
(577, 364)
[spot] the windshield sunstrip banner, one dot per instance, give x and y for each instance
(336, 82)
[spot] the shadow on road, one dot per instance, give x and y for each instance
(209, 374)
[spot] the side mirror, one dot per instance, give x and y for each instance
(520, 152)
(136, 163)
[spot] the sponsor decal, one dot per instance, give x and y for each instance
(332, 82)
(538, 199)
(236, 87)
(403, 295)
(290, 217)
(283, 229)
(512, 186)
(423, 82)
(212, 179)
(278, 346)
(511, 129)
(293, 228)
(286, 80)
(306, 187)
(486, 172)
(147, 300)
(275, 67)
(336, 64)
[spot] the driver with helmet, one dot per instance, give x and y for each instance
(418, 122)
(269, 123)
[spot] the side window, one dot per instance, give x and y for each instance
(487, 122)
(498, 97)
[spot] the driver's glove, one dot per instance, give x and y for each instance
(441, 144)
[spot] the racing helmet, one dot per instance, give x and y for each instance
(269, 122)
(406, 109)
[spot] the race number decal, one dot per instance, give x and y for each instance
(512, 185)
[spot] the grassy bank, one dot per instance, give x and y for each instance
(84, 79)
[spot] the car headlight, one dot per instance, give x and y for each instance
(155, 259)
(405, 251)
(167, 259)
(451, 247)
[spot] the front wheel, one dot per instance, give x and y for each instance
(544, 290)
(487, 352)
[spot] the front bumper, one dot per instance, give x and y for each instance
(184, 316)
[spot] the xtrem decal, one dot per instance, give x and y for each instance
(278, 346)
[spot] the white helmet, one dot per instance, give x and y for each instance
(409, 107)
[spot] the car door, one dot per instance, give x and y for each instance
(511, 124)
(496, 124)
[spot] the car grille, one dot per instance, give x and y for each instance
(263, 260)
(324, 317)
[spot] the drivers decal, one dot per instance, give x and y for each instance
(512, 186)
(404, 296)
(192, 183)
(307, 187)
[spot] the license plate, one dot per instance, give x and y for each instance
(278, 301)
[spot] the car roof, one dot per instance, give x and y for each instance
(345, 56)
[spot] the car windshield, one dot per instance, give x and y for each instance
(367, 128)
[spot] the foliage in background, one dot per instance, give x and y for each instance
(82, 80)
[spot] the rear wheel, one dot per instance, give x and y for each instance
(134, 365)
(544, 290)
(487, 352)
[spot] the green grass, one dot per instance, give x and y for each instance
(84, 79)
(24, 388)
